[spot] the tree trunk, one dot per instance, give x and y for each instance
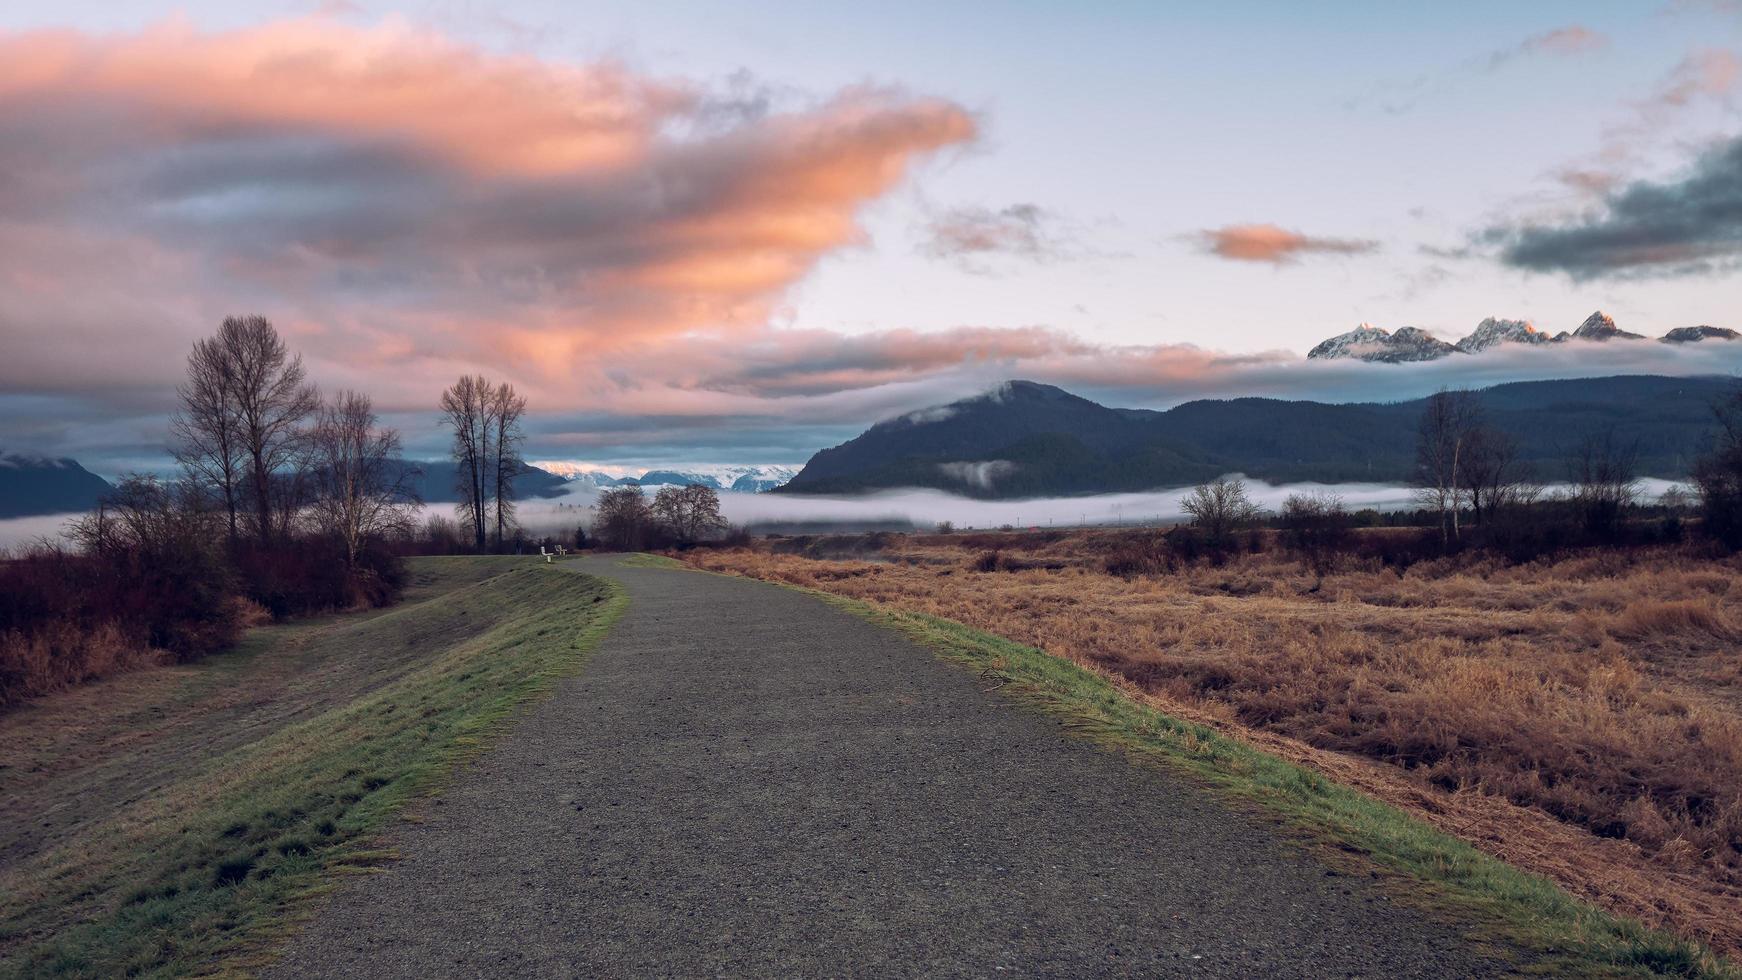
(1457, 450)
(262, 499)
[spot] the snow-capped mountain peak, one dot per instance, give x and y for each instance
(1370, 343)
(748, 479)
(1494, 331)
(1601, 326)
(720, 476)
(1689, 335)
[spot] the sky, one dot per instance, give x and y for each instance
(737, 233)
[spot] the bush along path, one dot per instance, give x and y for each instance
(748, 780)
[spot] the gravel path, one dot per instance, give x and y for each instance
(745, 781)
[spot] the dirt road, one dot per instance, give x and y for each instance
(745, 781)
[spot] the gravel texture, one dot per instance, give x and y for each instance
(746, 781)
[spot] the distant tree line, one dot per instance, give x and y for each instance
(1474, 494)
(676, 517)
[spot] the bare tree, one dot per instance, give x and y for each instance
(205, 436)
(689, 512)
(465, 409)
(440, 535)
(1604, 475)
(293, 485)
(1718, 476)
(271, 400)
(504, 409)
(1220, 509)
(623, 519)
(1444, 434)
(361, 489)
(1492, 475)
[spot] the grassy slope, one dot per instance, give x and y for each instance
(1523, 909)
(202, 875)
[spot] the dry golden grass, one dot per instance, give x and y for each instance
(66, 654)
(1580, 717)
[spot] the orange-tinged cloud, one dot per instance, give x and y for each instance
(416, 203)
(500, 114)
(1270, 243)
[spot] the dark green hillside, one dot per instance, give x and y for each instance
(1038, 440)
(434, 482)
(31, 485)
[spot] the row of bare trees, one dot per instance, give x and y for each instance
(252, 434)
(1465, 464)
(285, 503)
(257, 437)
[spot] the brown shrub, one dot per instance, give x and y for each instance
(1143, 554)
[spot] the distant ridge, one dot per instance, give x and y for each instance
(35, 485)
(434, 481)
(1025, 439)
(31, 485)
(736, 477)
(1369, 343)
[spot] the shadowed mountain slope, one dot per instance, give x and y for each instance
(1026, 439)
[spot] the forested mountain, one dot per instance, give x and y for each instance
(434, 482)
(34, 485)
(31, 485)
(1026, 439)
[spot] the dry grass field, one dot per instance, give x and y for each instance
(1579, 717)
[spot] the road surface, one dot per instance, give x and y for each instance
(746, 781)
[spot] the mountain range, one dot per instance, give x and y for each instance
(34, 485)
(741, 479)
(1025, 439)
(1369, 343)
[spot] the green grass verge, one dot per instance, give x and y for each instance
(1565, 935)
(206, 874)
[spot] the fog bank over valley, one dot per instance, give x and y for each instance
(922, 509)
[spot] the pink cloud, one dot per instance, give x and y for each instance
(1710, 73)
(1276, 245)
(406, 204)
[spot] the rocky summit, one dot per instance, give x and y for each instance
(1493, 331)
(1690, 335)
(1601, 326)
(1369, 343)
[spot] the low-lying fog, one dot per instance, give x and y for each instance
(919, 508)
(925, 508)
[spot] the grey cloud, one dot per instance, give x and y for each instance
(1686, 227)
(1025, 231)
